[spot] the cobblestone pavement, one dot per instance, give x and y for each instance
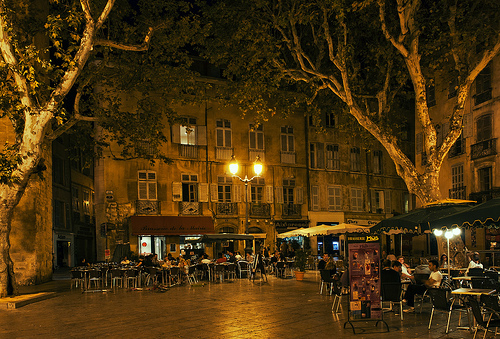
(281, 308)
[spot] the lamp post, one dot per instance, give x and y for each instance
(448, 234)
(257, 169)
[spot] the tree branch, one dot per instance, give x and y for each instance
(397, 44)
(135, 48)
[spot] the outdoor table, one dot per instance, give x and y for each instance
(474, 292)
(461, 279)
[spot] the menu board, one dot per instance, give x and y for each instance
(364, 277)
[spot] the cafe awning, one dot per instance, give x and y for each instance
(210, 238)
(171, 225)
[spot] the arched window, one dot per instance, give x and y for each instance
(226, 230)
(254, 230)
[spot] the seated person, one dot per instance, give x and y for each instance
(222, 258)
(330, 265)
(238, 256)
(474, 262)
(322, 262)
(443, 261)
(433, 281)
(205, 259)
(405, 269)
(388, 274)
(125, 261)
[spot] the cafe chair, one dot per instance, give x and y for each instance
(337, 292)
(131, 277)
(442, 303)
(116, 277)
(230, 271)
(476, 272)
(219, 272)
(392, 293)
(492, 275)
(244, 268)
(326, 280)
(76, 278)
(192, 275)
(95, 276)
(493, 318)
(175, 276)
(280, 269)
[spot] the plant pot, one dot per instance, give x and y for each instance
(299, 275)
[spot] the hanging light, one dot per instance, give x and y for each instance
(257, 166)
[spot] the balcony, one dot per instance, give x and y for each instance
(223, 153)
(190, 208)
(188, 151)
(147, 207)
(291, 211)
(288, 157)
(260, 210)
(253, 154)
(483, 149)
(227, 208)
(458, 193)
(485, 195)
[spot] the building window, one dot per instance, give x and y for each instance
(330, 120)
(457, 182)
(378, 201)
(257, 190)
(431, 95)
(483, 128)
(377, 162)
(332, 157)
(224, 185)
(484, 175)
(288, 189)
(458, 147)
(223, 133)
(86, 202)
(75, 199)
(147, 185)
(189, 187)
(355, 159)
(188, 132)
(334, 198)
(483, 86)
(316, 156)
(357, 199)
(287, 145)
(61, 214)
(256, 138)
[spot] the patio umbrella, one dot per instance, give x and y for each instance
(417, 221)
(341, 229)
(210, 238)
(483, 215)
(293, 233)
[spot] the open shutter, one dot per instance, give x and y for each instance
(237, 193)
(176, 133)
(299, 195)
(373, 201)
(279, 195)
(387, 202)
(419, 143)
(143, 190)
(177, 191)
(214, 197)
(321, 155)
(269, 194)
(152, 190)
(201, 135)
(314, 198)
(203, 192)
(467, 125)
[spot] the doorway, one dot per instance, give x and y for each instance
(63, 254)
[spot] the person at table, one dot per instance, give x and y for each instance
(125, 261)
(84, 263)
(405, 269)
(474, 262)
(238, 256)
(205, 259)
(249, 257)
(222, 259)
(330, 265)
(232, 258)
(323, 261)
(443, 261)
(388, 274)
(433, 281)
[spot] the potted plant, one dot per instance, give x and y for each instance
(300, 264)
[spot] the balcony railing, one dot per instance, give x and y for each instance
(253, 153)
(485, 195)
(227, 208)
(458, 192)
(261, 210)
(483, 149)
(291, 210)
(147, 207)
(190, 208)
(288, 157)
(223, 153)
(188, 151)
(457, 149)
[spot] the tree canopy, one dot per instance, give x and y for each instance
(371, 58)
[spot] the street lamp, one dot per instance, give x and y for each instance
(257, 169)
(448, 234)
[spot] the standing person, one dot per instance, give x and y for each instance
(284, 248)
(433, 281)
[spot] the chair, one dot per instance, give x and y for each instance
(131, 275)
(230, 271)
(492, 275)
(151, 276)
(441, 302)
(219, 272)
(478, 316)
(475, 272)
(420, 278)
(244, 268)
(95, 276)
(192, 274)
(392, 292)
(326, 280)
(175, 275)
(280, 269)
(478, 282)
(76, 278)
(337, 292)
(116, 277)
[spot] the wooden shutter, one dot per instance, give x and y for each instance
(320, 154)
(467, 125)
(203, 192)
(387, 202)
(279, 195)
(201, 135)
(373, 201)
(299, 195)
(314, 198)
(419, 143)
(214, 196)
(177, 191)
(269, 194)
(176, 133)
(237, 193)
